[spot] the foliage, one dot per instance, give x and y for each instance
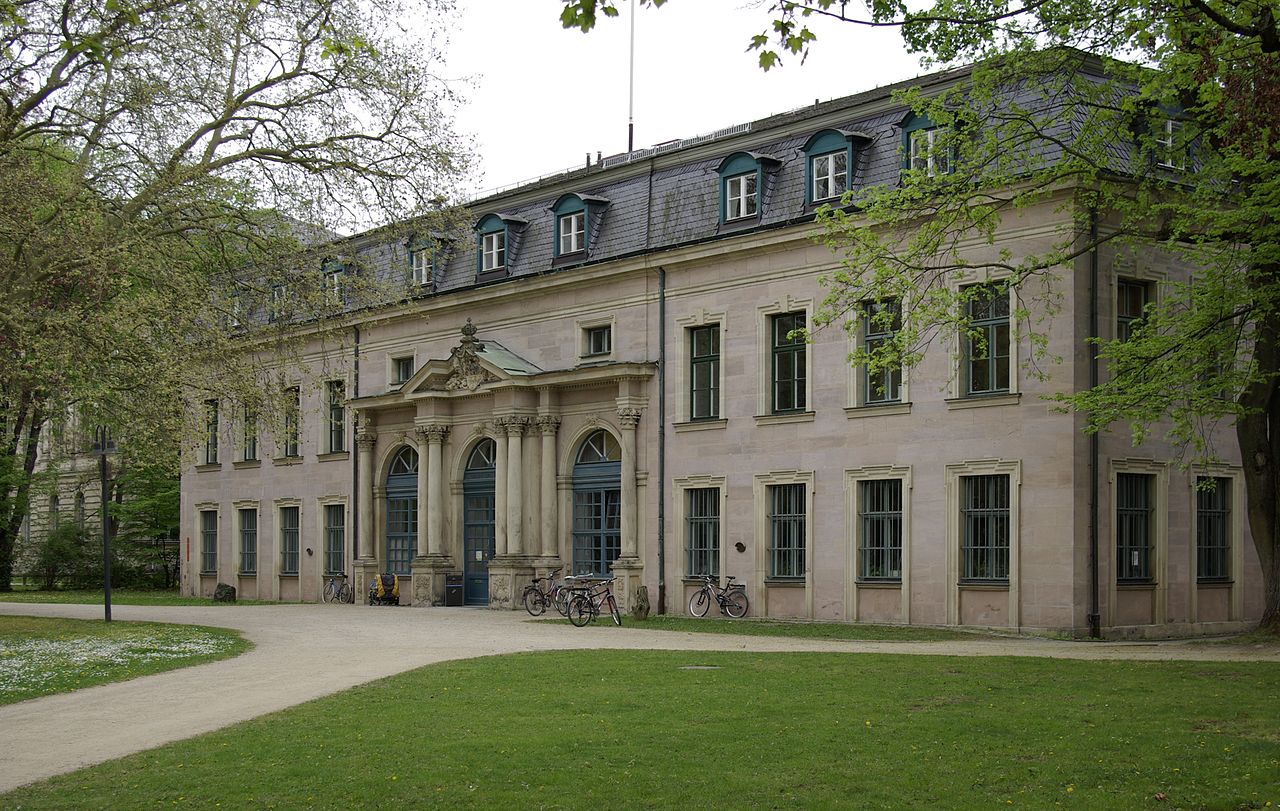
(41, 656)
(169, 168)
(65, 556)
(630, 729)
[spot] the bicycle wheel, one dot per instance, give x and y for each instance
(735, 604)
(580, 610)
(328, 591)
(613, 611)
(534, 602)
(346, 594)
(699, 603)
(560, 599)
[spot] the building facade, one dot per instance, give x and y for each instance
(603, 376)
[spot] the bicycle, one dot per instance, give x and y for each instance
(732, 598)
(336, 591)
(588, 600)
(536, 598)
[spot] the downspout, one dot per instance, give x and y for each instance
(355, 457)
(662, 440)
(1094, 618)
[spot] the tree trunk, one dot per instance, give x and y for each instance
(26, 442)
(1258, 432)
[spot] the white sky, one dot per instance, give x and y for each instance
(544, 97)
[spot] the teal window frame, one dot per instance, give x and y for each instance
(704, 372)
(702, 531)
(290, 539)
(492, 227)
(827, 144)
(922, 127)
(1213, 530)
(571, 208)
(788, 389)
(422, 268)
(249, 541)
(741, 166)
(988, 313)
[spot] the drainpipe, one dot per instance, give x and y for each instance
(1094, 618)
(355, 457)
(662, 440)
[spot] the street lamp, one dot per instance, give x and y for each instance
(104, 444)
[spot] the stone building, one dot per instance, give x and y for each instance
(601, 377)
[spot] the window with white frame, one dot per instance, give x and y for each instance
(986, 341)
(290, 540)
(292, 422)
(420, 266)
(248, 541)
(1132, 298)
(1213, 529)
(208, 542)
(1171, 152)
(597, 340)
(880, 529)
(573, 232)
(930, 153)
(333, 285)
(336, 394)
(249, 444)
(830, 175)
(740, 197)
(984, 528)
(702, 531)
(493, 251)
(787, 519)
(401, 369)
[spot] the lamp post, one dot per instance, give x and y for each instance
(103, 444)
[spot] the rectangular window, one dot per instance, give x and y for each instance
(208, 542)
(986, 342)
(277, 302)
(1132, 298)
(420, 266)
(211, 432)
(337, 397)
(1171, 152)
(882, 320)
(403, 369)
(880, 524)
(740, 197)
(402, 534)
(289, 531)
(493, 251)
(984, 520)
(292, 418)
(789, 362)
(573, 232)
(702, 528)
(1213, 529)
(333, 286)
(704, 372)
(599, 340)
(250, 444)
(928, 153)
(335, 538)
(830, 175)
(786, 530)
(248, 542)
(1134, 527)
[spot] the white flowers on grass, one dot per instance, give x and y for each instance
(32, 665)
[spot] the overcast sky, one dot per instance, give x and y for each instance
(544, 97)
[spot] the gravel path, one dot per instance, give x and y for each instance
(308, 651)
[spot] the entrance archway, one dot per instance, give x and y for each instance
(597, 504)
(478, 522)
(402, 511)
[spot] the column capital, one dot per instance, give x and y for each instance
(513, 425)
(548, 424)
(365, 440)
(432, 433)
(630, 417)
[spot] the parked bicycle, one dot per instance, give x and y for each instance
(732, 598)
(589, 599)
(338, 590)
(545, 591)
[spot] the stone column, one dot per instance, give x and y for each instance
(424, 492)
(366, 559)
(500, 489)
(436, 482)
(629, 419)
(515, 484)
(548, 425)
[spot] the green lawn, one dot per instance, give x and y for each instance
(118, 597)
(808, 630)
(639, 729)
(43, 655)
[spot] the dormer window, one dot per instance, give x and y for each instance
(573, 232)
(928, 148)
(829, 167)
(420, 266)
(497, 238)
(1170, 149)
(744, 185)
(578, 220)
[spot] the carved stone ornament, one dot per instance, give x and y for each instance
(548, 425)
(465, 370)
(513, 425)
(629, 417)
(433, 433)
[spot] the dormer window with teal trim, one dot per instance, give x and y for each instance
(497, 238)
(420, 269)
(745, 180)
(427, 257)
(578, 218)
(334, 273)
(926, 147)
(829, 164)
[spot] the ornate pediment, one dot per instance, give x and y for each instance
(466, 372)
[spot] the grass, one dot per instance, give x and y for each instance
(636, 729)
(807, 630)
(118, 597)
(42, 655)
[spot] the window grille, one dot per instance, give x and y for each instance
(985, 528)
(1213, 529)
(1133, 527)
(880, 516)
(248, 541)
(786, 530)
(702, 527)
(289, 540)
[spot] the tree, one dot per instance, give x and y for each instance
(1175, 150)
(158, 162)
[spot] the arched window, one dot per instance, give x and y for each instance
(405, 463)
(478, 502)
(599, 447)
(402, 510)
(482, 455)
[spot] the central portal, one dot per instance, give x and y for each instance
(478, 522)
